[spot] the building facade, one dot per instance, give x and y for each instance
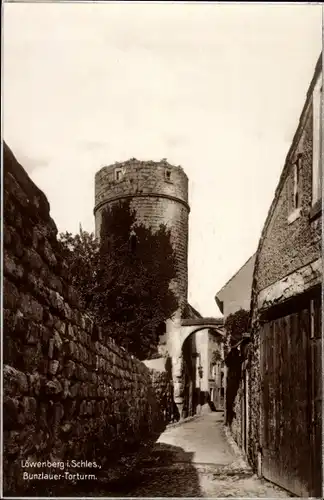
(236, 293)
(234, 296)
(285, 352)
(216, 378)
(205, 383)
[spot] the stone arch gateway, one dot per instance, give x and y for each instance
(176, 341)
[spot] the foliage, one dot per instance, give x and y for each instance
(125, 281)
(81, 252)
(235, 325)
(216, 357)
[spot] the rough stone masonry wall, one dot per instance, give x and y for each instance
(236, 425)
(69, 393)
(288, 247)
(254, 400)
(163, 386)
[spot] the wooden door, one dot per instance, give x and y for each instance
(291, 401)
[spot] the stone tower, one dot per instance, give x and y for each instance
(158, 193)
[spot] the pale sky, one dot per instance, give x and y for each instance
(215, 88)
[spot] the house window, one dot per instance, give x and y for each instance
(317, 141)
(118, 174)
(295, 206)
(167, 174)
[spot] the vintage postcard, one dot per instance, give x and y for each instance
(161, 242)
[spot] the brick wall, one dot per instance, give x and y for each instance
(69, 392)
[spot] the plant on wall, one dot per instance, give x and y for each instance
(235, 325)
(125, 281)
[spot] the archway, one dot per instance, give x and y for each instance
(189, 327)
(190, 388)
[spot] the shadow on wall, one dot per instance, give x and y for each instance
(161, 374)
(203, 398)
(210, 402)
(190, 393)
(174, 415)
(233, 382)
(156, 477)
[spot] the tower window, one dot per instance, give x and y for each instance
(118, 174)
(168, 175)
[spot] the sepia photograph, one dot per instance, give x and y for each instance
(161, 249)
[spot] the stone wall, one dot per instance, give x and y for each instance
(156, 200)
(140, 177)
(163, 386)
(70, 393)
(236, 425)
(254, 401)
(286, 246)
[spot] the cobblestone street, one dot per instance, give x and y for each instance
(194, 459)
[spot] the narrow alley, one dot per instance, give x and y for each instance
(162, 250)
(195, 459)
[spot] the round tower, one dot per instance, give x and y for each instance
(158, 193)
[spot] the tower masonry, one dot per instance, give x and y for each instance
(158, 192)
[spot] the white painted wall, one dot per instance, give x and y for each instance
(236, 294)
(201, 339)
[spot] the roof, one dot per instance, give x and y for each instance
(234, 275)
